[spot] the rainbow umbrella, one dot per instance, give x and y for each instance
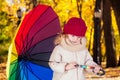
(33, 45)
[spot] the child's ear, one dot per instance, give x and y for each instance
(80, 40)
(84, 41)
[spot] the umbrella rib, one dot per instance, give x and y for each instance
(42, 52)
(34, 47)
(32, 25)
(30, 45)
(19, 48)
(28, 55)
(29, 51)
(13, 62)
(26, 70)
(23, 67)
(30, 69)
(36, 44)
(15, 55)
(44, 26)
(39, 53)
(13, 72)
(39, 30)
(25, 48)
(28, 19)
(17, 45)
(38, 18)
(20, 70)
(30, 42)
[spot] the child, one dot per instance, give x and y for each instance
(71, 51)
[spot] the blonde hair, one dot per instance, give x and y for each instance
(60, 36)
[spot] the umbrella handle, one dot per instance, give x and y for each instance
(100, 73)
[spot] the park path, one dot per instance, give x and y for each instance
(111, 74)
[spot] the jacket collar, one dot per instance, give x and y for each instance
(72, 47)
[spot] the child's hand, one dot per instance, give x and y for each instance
(70, 66)
(97, 69)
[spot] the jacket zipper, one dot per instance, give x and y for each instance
(77, 67)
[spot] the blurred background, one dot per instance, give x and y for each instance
(101, 16)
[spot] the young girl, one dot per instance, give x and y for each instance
(71, 51)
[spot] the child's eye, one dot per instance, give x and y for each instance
(72, 35)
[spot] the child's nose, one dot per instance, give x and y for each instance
(75, 38)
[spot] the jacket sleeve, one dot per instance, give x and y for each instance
(55, 61)
(89, 61)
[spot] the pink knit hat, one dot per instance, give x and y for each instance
(75, 26)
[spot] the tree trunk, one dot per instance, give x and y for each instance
(97, 35)
(19, 15)
(79, 7)
(34, 3)
(119, 61)
(110, 51)
(116, 7)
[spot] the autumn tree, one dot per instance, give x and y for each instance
(97, 33)
(116, 7)
(119, 61)
(79, 7)
(108, 34)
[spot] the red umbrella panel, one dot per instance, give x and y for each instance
(33, 45)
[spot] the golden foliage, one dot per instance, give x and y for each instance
(65, 9)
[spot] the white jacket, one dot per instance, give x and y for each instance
(63, 54)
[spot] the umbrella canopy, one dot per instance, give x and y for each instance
(33, 45)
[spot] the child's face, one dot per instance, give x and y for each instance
(74, 39)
